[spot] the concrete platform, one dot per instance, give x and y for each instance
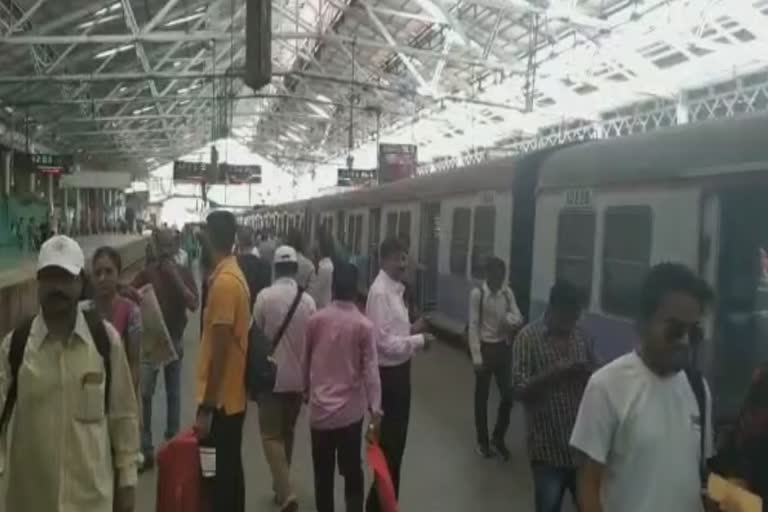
(441, 473)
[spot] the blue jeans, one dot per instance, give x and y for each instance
(172, 373)
(550, 484)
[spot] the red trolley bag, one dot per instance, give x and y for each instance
(384, 486)
(179, 479)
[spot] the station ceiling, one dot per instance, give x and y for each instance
(133, 84)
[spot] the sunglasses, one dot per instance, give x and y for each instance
(675, 330)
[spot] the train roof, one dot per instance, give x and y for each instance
(712, 147)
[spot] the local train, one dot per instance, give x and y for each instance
(598, 213)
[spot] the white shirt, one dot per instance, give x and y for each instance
(255, 252)
(498, 308)
(306, 272)
(391, 329)
(182, 258)
(58, 455)
(272, 304)
(645, 429)
(320, 287)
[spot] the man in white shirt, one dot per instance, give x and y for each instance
(396, 341)
(639, 426)
(279, 410)
(320, 288)
(306, 273)
(70, 435)
(493, 319)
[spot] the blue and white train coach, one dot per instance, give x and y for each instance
(599, 214)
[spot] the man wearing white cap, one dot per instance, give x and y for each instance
(69, 418)
(281, 312)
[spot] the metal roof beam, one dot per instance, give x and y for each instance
(27, 15)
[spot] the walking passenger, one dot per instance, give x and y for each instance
(121, 312)
(342, 374)
(221, 396)
(256, 271)
(281, 312)
(551, 362)
(306, 273)
(640, 426)
(322, 285)
(396, 342)
(493, 319)
(69, 422)
(177, 293)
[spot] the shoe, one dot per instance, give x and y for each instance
(501, 449)
(147, 464)
(484, 451)
(290, 505)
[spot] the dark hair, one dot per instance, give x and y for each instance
(389, 247)
(345, 281)
(110, 253)
(245, 236)
(295, 239)
(286, 269)
(494, 265)
(325, 243)
(565, 296)
(665, 278)
(222, 227)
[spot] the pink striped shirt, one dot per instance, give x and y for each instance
(341, 367)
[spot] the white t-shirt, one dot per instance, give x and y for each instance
(646, 430)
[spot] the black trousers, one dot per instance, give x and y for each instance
(496, 365)
(227, 489)
(396, 405)
(344, 443)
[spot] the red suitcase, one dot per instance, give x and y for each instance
(180, 486)
(384, 486)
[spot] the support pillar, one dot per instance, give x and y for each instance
(32, 182)
(7, 158)
(50, 192)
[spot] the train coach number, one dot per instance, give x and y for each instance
(578, 198)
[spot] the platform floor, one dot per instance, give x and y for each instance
(441, 470)
(15, 264)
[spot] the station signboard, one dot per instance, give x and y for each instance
(397, 161)
(190, 171)
(355, 177)
(198, 172)
(52, 164)
(237, 174)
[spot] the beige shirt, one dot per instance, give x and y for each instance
(500, 311)
(59, 453)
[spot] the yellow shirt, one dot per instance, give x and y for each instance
(59, 453)
(228, 303)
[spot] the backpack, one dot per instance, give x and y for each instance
(696, 381)
(19, 340)
(260, 370)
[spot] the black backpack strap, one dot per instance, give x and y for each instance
(696, 381)
(103, 346)
(288, 317)
(15, 358)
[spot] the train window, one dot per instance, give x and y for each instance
(391, 226)
(483, 238)
(626, 257)
(404, 226)
(460, 241)
(576, 248)
(358, 241)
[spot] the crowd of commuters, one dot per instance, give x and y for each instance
(634, 435)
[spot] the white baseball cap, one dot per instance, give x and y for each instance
(61, 251)
(285, 254)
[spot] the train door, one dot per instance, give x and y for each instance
(741, 341)
(428, 255)
(374, 239)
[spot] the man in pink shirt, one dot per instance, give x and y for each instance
(342, 376)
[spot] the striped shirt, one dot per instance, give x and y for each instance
(551, 414)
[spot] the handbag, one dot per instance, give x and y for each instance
(260, 369)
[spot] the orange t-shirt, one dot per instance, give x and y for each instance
(227, 304)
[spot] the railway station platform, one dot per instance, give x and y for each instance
(18, 297)
(441, 471)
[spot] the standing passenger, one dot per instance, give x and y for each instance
(396, 341)
(639, 425)
(342, 374)
(493, 318)
(176, 292)
(322, 285)
(551, 362)
(69, 423)
(257, 272)
(306, 273)
(221, 367)
(282, 312)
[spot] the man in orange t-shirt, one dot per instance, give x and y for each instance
(221, 394)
